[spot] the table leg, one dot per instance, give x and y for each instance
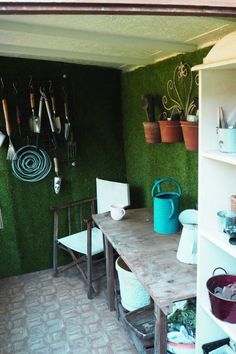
(110, 275)
(160, 331)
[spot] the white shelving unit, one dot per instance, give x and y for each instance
(217, 182)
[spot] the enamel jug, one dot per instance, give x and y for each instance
(166, 207)
(187, 249)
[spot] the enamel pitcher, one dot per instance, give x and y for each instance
(166, 207)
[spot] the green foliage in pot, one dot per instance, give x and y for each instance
(147, 103)
(184, 315)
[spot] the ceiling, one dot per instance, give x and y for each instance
(124, 42)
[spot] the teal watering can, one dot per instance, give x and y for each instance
(166, 207)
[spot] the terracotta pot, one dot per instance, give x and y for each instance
(152, 132)
(171, 131)
(190, 133)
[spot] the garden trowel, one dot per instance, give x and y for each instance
(56, 119)
(57, 178)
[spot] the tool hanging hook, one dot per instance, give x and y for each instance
(2, 83)
(50, 89)
(18, 116)
(15, 88)
(42, 92)
(31, 83)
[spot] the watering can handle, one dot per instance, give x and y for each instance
(172, 212)
(157, 183)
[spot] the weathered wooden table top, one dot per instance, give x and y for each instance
(150, 256)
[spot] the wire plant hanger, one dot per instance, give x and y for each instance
(179, 91)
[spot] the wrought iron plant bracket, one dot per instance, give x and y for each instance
(179, 92)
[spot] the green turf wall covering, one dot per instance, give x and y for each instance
(95, 105)
(146, 162)
(95, 111)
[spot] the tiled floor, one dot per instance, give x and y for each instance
(40, 314)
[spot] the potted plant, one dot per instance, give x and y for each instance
(151, 127)
(170, 127)
(190, 129)
(178, 100)
(182, 327)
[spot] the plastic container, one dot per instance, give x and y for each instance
(133, 294)
(224, 310)
(142, 323)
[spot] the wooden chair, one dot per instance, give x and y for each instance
(75, 232)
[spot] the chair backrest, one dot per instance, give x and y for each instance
(109, 192)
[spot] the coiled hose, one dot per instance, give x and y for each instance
(31, 164)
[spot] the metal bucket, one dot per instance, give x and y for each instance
(166, 207)
(133, 294)
(223, 309)
(227, 140)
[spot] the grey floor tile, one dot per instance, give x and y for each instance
(40, 314)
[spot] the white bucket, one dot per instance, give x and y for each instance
(227, 139)
(133, 294)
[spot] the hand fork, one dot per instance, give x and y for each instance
(72, 150)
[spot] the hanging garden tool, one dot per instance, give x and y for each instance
(67, 123)
(56, 119)
(32, 163)
(72, 150)
(52, 126)
(57, 178)
(11, 149)
(34, 121)
(18, 116)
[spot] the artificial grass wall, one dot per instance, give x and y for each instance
(95, 111)
(94, 102)
(147, 162)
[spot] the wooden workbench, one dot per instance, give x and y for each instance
(152, 258)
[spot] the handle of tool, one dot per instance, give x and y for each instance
(51, 123)
(56, 165)
(66, 111)
(32, 100)
(49, 116)
(6, 116)
(18, 121)
(53, 104)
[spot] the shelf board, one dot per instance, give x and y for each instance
(220, 240)
(220, 156)
(228, 328)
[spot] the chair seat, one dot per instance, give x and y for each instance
(78, 242)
